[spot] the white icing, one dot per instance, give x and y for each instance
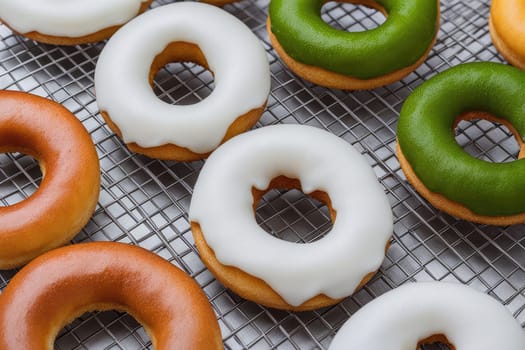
(398, 319)
(234, 54)
(67, 18)
(334, 265)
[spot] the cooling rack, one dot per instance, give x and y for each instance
(145, 201)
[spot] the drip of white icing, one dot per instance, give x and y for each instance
(234, 55)
(334, 265)
(397, 320)
(67, 18)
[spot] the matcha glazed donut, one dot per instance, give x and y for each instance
(353, 60)
(434, 163)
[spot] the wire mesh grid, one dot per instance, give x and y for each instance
(145, 201)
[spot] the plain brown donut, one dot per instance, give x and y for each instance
(61, 285)
(70, 41)
(68, 193)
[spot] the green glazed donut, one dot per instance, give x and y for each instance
(492, 193)
(405, 37)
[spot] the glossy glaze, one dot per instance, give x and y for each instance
(507, 30)
(62, 284)
(69, 190)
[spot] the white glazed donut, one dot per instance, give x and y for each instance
(421, 313)
(69, 22)
(225, 229)
(214, 39)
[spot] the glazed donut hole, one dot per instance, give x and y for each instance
(180, 74)
(284, 211)
(489, 138)
(20, 177)
(353, 15)
(103, 329)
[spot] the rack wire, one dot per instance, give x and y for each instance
(145, 201)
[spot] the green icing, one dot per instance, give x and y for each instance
(426, 136)
(398, 43)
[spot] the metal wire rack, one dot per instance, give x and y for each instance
(145, 201)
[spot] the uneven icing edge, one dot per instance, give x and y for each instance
(70, 18)
(234, 54)
(400, 318)
(321, 161)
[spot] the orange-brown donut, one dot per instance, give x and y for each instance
(507, 30)
(68, 193)
(62, 284)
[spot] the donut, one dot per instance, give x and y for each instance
(277, 273)
(439, 169)
(61, 285)
(429, 312)
(507, 30)
(323, 55)
(195, 32)
(69, 22)
(68, 193)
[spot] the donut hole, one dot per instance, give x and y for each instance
(287, 213)
(20, 177)
(103, 330)
(488, 138)
(353, 15)
(180, 74)
(435, 342)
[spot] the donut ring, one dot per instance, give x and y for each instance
(440, 170)
(353, 61)
(507, 30)
(62, 205)
(277, 273)
(59, 286)
(186, 31)
(72, 22)
(422, 313)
